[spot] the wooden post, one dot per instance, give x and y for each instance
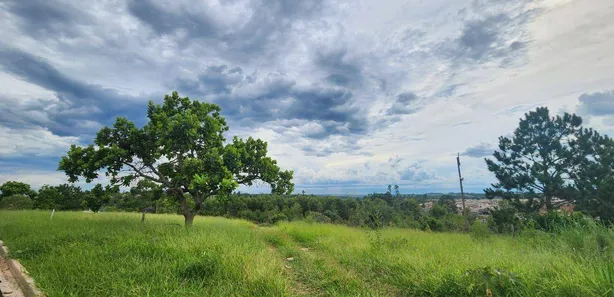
(143, 218)
(460, 179)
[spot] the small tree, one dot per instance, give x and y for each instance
(182, 148)
(71, 197)
(47, 197)
(98, 196)
(438, 211)
(11, 188)
(537, 163)
(448, 203)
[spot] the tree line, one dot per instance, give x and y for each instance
(374, 211)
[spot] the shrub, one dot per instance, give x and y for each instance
(503, 218)
(432, 224)
(16, 202)
(277, 217)
(480, 231)
(317, 217)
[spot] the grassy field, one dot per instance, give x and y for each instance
(114, 254)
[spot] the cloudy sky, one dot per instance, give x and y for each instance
(351, 95)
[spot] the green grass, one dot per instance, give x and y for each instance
(113, 254)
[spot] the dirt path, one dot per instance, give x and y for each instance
(8, 285)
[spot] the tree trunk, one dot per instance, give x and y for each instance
(185, 209)
(189, 219)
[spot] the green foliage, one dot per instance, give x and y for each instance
(317, 217)
(503, 218)
(181, 149)
(437, 211)
(537, 163)
(595, 180)
(16, 202)
(71, 197)
(11, 188)
(555, 222)
(82, 254)
(448, 203)
(47, 197)
(480, 231)
(98, 196)
(487, 281)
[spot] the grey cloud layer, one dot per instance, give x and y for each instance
(598, 103)
(479, 151)
(74, 100)
(292, 67)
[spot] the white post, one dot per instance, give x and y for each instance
(52, 212)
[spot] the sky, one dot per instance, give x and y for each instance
(351, 95)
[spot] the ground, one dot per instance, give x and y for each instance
(114, 254)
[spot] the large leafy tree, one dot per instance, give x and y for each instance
(11, 188)
(537, 163)
(182, 148)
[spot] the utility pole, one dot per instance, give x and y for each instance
(460, 179)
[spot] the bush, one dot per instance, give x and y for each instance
(555, 222)
(432, 224)
(16, 202)
(480, 231)
(502, 219)
(277, 217)
(317, 217)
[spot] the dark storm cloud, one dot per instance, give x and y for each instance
(165, 21)
(404, 104)
(479, 151)
(479, 38)
(341, 71)
(78, 104)
(214, 80)
(328, 107)
(42, 17)
(598, 103)
(492, 37)
(262, 32)
(260, 99)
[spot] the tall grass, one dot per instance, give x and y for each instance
(81, 254)
(108, 254)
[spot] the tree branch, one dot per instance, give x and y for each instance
(141, 174)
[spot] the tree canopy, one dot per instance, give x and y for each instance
(546, 158)
(182, 148)
(11, 188)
